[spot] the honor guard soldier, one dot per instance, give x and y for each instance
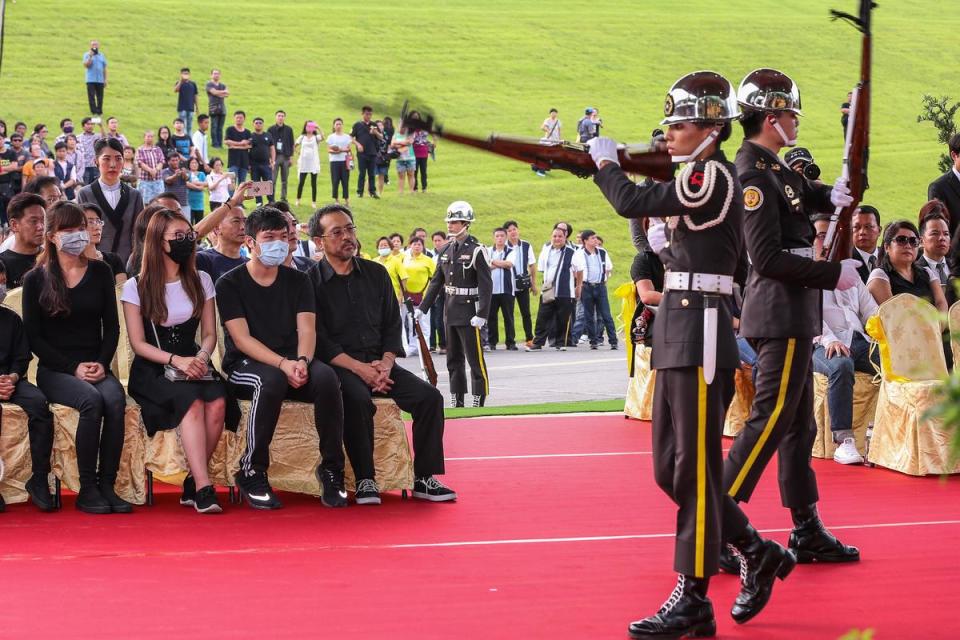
(780, 316)
(464, 275)
(694, 347)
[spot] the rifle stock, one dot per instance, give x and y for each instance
(426, 360)
(838, 244)
(574, 157)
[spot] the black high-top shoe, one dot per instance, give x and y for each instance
(761, 562)
(687, 613)
(811, 542)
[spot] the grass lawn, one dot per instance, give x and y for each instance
(585, 406)
(492, 66)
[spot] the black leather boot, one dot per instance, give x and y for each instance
(687, 613)
(117, 504)
(761, 563)
(729, 563)
(89, 500)
(811, 542)
(456, 400)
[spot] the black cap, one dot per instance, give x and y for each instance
(798, 154)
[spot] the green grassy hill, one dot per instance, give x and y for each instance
(492, 66)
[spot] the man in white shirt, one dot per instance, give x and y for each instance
(935, 241)
(595, 264)
(502, 259)
(842, 349)
(199, 139)
(866, 232)
(525, 276)
(562, 279)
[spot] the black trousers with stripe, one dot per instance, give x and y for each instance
(463, 343)
(267, 387)
(688, 417)
(781, 421)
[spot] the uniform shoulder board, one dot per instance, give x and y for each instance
(752, 198)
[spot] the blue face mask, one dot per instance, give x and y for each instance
(74, 242)
(273, 253)
(384, 252)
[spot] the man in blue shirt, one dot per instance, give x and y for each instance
(187, 102)
(96, 65)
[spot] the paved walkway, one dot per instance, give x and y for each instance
(519, 377)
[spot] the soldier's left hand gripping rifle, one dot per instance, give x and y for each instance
(838, 243)
(426, 360)
(641, 159)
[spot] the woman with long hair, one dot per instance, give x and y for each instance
(308, 162)
(139, 233)
(171, 377)
(165, 140)
(70, 313)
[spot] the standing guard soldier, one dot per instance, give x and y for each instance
(694, 347)
(464, 275)
(781, 315)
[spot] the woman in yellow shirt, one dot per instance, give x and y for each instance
(394, 266)
(419, 270)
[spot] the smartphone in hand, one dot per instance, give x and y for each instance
(261, 188)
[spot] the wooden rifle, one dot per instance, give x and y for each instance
(544, 155)
(838, 244)
(426, 360)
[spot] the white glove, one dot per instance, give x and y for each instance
(657, 236)
(417, 314)
(603, 149)
(849, 277)
(478, 322)
(840, 194)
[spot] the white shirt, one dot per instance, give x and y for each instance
(552, 134)
(549, 261)
(340, 140)
(112, 194)
(866, 257)
(498, 273)
(846, 313)
(200, 144)
(179, 306)
(521, 269)
(590, 264)
(933, 267)
(955, 172)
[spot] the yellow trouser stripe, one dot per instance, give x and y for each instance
(483, 364)
(771, 421)
(701, 533)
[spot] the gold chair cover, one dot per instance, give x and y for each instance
(295, 449)
(954, 320)
(739, 409)
(904, 439)
(15, 453)
(131, 481)
(639, 402)
(865, 392)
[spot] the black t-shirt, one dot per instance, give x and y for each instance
(238, 157)
(182, 144)
(7, 158)
(188, 96)
(216, 264)
(15, 353)
(270, 312)
(90, 332)
(361, 133)
(17, 265)
(115, 263)
(647, 266)
(260, 151)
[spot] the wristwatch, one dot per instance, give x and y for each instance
(305, 359)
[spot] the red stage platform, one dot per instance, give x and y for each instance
(560, 532)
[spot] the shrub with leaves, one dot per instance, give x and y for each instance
(940, 113)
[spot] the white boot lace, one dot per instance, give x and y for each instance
(675, 596)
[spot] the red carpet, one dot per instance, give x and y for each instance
(559, 546)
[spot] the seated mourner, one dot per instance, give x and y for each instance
(70, 312)
(842, 349)
(15, 357)
(163, 307)
(269, 315)
(359, 334)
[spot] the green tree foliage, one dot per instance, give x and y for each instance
(939, 112)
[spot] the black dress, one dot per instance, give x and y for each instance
(163, 403)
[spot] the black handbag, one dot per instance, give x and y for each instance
(523, 282)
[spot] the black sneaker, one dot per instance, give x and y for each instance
(374, 196)
(367, 492)
(89, 500)
(512, 347)
(117, 504)
(205, 500)
(429, 488)
(40, 494)
(332, 493)
(189, 495)
(255, 487)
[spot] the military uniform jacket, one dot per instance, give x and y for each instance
(782, 298)
(678, 331)
(463, 265)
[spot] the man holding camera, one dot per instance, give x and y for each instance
(365, 135)
(187, 101)
(96, 66)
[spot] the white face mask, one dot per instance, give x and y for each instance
(74, 242)
(384, 252)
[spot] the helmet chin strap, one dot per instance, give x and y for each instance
(462, 232)
(711, 137)
(790, 142)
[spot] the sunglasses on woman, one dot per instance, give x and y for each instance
(913, 241)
